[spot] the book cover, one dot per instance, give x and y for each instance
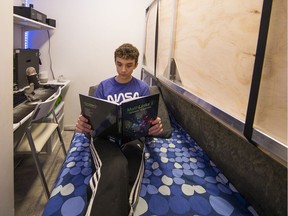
(123, 122)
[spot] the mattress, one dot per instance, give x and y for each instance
(179, 179)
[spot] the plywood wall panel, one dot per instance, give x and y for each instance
(165, 34)
(215, 50)
(271, 113)
(149, 49)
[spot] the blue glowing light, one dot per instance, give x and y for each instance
(26, 35)
(26, 40)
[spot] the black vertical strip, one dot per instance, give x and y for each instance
(156, 38)
(257, 72)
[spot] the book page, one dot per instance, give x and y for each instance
(137, 116)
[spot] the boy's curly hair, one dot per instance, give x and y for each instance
(127, 51)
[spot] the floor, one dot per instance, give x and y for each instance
(29, 195)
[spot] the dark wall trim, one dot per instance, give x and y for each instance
(257, 72)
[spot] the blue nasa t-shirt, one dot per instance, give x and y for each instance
(111, 90)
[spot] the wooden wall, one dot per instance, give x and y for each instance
(271, 115)
(214, 45)
(150, 32)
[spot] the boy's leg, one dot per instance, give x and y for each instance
(112, 192)
(133, 151)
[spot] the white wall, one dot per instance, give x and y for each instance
(6, 110)
(83, 44)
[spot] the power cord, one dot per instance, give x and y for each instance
(49, 52)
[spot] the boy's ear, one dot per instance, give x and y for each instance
(136, 64)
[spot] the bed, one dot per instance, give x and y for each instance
(179, 179)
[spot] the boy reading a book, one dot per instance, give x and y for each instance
(119, 168)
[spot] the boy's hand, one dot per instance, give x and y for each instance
(82, 125)
(156, 128)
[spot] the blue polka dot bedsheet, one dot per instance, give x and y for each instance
(179, 180)
(69, 194)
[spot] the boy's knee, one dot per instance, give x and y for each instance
(119, 165)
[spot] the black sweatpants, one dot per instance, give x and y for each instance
(118, 173)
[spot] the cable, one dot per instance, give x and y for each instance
(49, 52)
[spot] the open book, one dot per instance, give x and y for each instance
(122, 122)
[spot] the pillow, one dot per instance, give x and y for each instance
(162, 111)
(92, 89)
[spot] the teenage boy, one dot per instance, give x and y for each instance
(119, 168)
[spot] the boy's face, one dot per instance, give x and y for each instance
(125, 67)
